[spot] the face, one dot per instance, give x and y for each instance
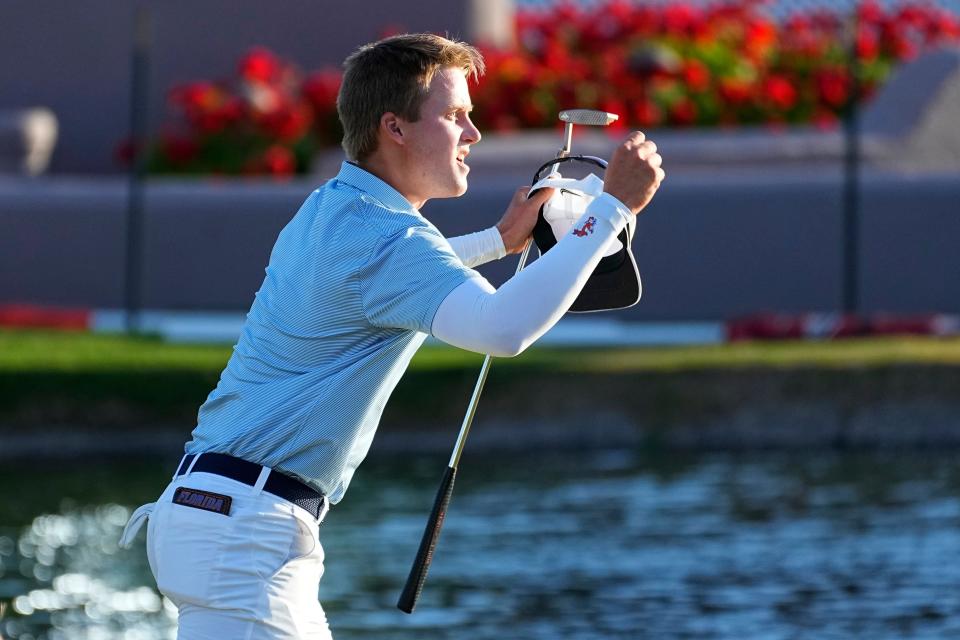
(437, 144)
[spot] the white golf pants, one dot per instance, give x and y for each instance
(250, 575)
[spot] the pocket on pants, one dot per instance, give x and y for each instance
(186, 546)
(305, 540)
(303, 561)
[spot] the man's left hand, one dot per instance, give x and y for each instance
(517, 223)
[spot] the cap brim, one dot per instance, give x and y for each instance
(616, 286)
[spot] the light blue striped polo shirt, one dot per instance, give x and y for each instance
(351, 290)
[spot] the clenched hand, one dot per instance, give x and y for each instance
(517, 223)
(634, 173)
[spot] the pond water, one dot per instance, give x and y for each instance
(604, 544)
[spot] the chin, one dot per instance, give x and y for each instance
(456, 189)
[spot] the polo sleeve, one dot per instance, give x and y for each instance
(407, 276)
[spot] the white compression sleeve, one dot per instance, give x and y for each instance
(479, 248)
(506, 321)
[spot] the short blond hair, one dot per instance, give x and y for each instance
(394, 75)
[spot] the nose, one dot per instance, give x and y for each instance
(471, 135)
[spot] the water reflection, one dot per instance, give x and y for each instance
(600, 545)
(64, 577)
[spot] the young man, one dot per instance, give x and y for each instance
(355, 282)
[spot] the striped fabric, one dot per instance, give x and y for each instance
(353, 283)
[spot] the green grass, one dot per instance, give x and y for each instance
(22, 351)
(100, 380)
(36, 351)
(854, 353)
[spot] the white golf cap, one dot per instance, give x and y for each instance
(615, 283)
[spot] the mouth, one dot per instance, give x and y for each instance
(462, 159)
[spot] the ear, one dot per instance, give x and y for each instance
(391, 125)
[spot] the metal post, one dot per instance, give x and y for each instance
(139, 94)
(851, 179)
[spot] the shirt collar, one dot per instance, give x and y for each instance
(365, 181)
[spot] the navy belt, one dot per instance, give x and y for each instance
(278, 484)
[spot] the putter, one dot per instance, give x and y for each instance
(587, 117)
(428, 543)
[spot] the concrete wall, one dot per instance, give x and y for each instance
(713, 245)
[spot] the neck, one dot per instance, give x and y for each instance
(390, 170)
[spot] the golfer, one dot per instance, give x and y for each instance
(355, 283)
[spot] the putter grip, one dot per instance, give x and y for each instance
(418, 572)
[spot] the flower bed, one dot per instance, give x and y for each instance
(680, 64)
(269, 120)
(672, 64)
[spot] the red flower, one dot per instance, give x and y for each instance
(683, 112)
(277, 160)
(696, 75)
(947, 25)
(514, 69)
(557, 57)
(613, 105)
(647, 114)
(798, 24)
(807, 35)
(207, 107)
(532, 113)
(912, 15)
(680, 19)
(566, 12)
(645, 20)
(196, 96)
(603, 29)
(940, 26)
(233, 110)
(735, 90)
(224, 115)
(825, 120)
(177, 149)
(260, 65)
(321, 89)
(902, 47)
(826, 21)
(780, 92)
(612, 65)
(833, 87)
(209, 122)
(867, 45)
(870, 11)
(760, 39)
(288, 123)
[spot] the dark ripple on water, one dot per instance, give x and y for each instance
(601, 546)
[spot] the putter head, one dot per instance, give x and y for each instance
(589, 117)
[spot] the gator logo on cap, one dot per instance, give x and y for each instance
(587, 228)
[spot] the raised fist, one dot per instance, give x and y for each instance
(634, 173)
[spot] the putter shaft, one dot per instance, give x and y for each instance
(478, 388)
